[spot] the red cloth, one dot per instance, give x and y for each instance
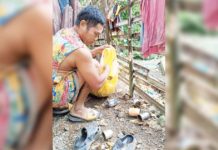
(210, 13)
(153, 18)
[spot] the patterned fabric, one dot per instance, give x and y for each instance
(18, 108)
(9, 9)
(65, 87)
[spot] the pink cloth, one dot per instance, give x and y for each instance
(153, 18)
(210, 13)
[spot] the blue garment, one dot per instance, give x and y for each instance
(6, 19)
(63, 4)
(10, 9)
(142, 34)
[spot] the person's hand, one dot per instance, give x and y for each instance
(107, 68)
(101, 48)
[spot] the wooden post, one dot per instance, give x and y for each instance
(105, 9)
(131, 85)
(172, 101)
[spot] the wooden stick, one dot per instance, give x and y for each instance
(131, 85)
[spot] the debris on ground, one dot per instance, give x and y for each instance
(149, 133)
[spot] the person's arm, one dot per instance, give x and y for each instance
(87, 67)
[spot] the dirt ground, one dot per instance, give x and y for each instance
(150, 134)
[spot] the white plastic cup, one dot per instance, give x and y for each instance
(107, 134)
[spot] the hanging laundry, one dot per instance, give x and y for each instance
(210, 13)
(113, 18)
(153, 19)
(76, 9)
(56, 17)
(63, 4)
(65, 15)
(142, 33)
(67, 18)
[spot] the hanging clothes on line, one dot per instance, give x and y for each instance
(153, 23)
(63, 4)
(76, 9)
(210, 13)
(142, 33)
(65, 13)
(56, 18)
(113, 18)
(67, 18)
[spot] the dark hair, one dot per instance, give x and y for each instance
(92, 15)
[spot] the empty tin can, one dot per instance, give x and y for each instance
(144, 116)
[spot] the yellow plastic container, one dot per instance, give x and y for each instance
(109, 57)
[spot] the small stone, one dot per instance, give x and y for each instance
(148, 104)
(140, 123)
(132, 132)
(110, 144)
(66, 128)
(111, 102)
(143, 128)
(136, 102)
(140, 141)
(102, 123)
(143, 106)
(100, 116)
(157, 128)
(138, 146)
(135, 121)
(119, 91)
(122, 119)
(121, 114)
(126, 97)
(158, 115)
(145, 102)
(146, 125)
(97, 107)
(152, 109)
(95, 146)
(103, 147)
(118, 107)
(124, 132)
(161, 121)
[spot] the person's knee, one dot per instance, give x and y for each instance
(82, 83)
